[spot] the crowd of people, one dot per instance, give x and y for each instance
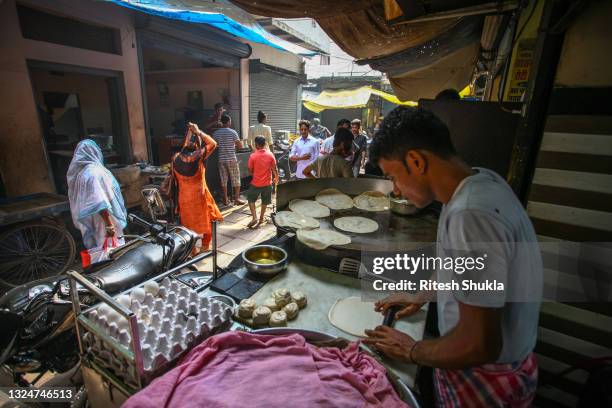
(98, 207)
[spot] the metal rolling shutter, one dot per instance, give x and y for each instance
(275, 94)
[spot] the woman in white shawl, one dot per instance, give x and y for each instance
(95, 198)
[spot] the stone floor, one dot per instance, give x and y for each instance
(233, 235)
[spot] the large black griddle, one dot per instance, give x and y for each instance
(396, 233)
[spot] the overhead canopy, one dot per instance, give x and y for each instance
(224, 17)
(420, 57)
(353, 98)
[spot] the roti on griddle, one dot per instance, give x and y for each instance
(295, 220)
(334, 199)
(372, 201)
(309, 207)
(359, 225)
(321, 238)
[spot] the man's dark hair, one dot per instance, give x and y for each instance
(261, 116)
(225, 118)
(260, 141)
(305, 123)
(343, 137)
(448, 95)
(405, 129)
(218, 105)
(343, 122)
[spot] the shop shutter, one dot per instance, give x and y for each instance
(275, 94)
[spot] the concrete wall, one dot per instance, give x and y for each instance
(20, 132)
(276, 58)
(92, 92)
(208, 80)
(585, 57)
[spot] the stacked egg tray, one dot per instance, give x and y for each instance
(171, 318)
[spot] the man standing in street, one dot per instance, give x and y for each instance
(305, 149)
(328, 144)
(214, 121)
(227, 142)
(319, 131)
(333, 164)
(360, 147)
(260, 129)
(484, 355)
(262, 166)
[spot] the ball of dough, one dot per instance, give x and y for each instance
(246, 308)
(270, 303)
(261, 315)
(278, 319)
(282, 296)
(300, 299)
(292, 310)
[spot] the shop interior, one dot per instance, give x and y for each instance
(73, 106)
(181, 89)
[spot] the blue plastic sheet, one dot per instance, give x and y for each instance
(165, 9)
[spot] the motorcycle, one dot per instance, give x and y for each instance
(286, 168)
(39, 331)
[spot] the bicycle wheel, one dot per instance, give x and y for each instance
(34, 251)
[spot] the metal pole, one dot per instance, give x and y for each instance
(214, 249)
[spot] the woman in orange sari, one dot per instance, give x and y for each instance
(196, 206)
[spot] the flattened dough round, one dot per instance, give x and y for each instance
(353, 316)
(372, 201)
(308, 207)
(334, 199)
(294, 220)
(322, 238)
(359, 225)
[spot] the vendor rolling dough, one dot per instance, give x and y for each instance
(309, 208)
(484, 355)
(295, 220)
(322, 238)
(334, 199)
(359, 225)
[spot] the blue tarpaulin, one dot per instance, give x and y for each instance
(162, 8)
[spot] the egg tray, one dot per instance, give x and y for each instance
(170, 320)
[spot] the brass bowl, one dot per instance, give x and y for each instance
(265, 259)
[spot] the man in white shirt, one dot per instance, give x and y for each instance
(484, 355)
(328, 144)
(304, 150)
(260, 129)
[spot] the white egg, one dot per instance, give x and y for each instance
(151, 287)
(104, 310)
(138, 294)
(124, 300)
(112, 317)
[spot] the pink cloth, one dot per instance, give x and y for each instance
(238, 369)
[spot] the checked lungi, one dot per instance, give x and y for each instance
(491, 385)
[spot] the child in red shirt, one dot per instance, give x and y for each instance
(262, 166)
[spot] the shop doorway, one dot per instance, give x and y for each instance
(75, 103)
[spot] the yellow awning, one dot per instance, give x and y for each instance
(353, 98)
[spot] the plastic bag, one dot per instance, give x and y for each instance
(99, 254)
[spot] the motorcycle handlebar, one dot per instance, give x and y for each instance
(139, 221)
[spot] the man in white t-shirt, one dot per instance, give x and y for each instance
(260, 129)
(484, 355)
(328, 144)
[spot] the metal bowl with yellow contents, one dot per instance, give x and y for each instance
(265, 259)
